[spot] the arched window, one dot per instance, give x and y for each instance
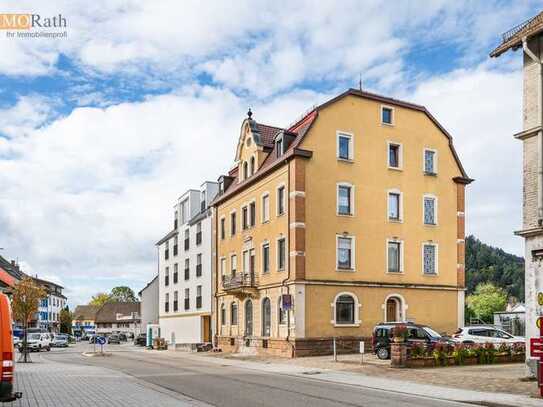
(245, 170)
(252, 165)
(282, 314)
(345, 309)
(248, 318)
(223, 314)
(266, 317)
(234, 314)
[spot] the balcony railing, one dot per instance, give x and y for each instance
(243, 280)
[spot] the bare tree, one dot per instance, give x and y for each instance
(26, 299)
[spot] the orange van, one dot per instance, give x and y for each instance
(6, 352)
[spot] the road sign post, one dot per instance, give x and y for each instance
(100, 340)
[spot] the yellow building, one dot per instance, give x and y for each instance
(352, 216)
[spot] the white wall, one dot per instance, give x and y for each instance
(186, 330)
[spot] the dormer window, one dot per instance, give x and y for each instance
(245, 170)
(252, 165)
(279, 146)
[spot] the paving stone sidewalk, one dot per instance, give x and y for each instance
(46, 383)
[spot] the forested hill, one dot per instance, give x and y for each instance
(487, 264)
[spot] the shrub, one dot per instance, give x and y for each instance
(519, 348)
(417, 351)
(460, 353)
(440, 354)
(505, 348)
(486, 353)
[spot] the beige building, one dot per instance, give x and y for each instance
(352, 216)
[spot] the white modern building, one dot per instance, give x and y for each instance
(48, 316)
(149, 304)
(185, 266)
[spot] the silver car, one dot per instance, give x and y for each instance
(60, 341)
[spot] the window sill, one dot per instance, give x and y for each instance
(345, 160)
(343, 270)
(430, 174)
(281, 214)
(280, 270)
(395, 168)
(387, 124)
(395, 273)
(265, 221)
(430, 274)
(431, 225)
(395, 220)
(345, 215)
(346, 325)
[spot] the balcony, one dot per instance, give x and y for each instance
(244, 284)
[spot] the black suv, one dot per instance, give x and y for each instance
(423, 334)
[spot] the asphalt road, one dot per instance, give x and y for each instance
(228, 386)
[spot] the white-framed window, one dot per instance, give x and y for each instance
(387, 115)
(223, 228)
(429, 209)
(345, 146)
(282, 314)
(429, 161)
(223, 268)
(265, 257)
(394, 255)
(345, 253)
(281, 253)
(234, 313)
(345, 310)
(394, 205)
(246, 262)
(430, 257)
(252, 214)
(345, 199)
(244, 217)
(233, 264)
(280, 200)
(233, 223)
(394, 155)
(265, 207)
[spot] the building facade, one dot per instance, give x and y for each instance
(149, 304)
(529, 37)
(48, 316)
(185, 269)
(119, 317)
(84, 320)
(352, 216)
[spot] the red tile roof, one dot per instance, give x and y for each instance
(268, 133)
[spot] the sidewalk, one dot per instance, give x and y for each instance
(45, 383)
(409, 381)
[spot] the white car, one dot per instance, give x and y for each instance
(60, 341)
(484, 334)
(38, 341)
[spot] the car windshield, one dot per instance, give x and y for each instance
(431, 332)
(61, 337)
(34, 336)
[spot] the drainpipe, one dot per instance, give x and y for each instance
(215, 261)
(288, 255)
(538, 61)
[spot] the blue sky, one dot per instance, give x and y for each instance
(99, 131)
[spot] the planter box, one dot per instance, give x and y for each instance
(469, 361)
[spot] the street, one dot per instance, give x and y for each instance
(131, 376)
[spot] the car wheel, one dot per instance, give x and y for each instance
(48, 349)
(383, 353)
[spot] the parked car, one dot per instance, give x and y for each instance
(123, 337)
(37, 342)
(141, 340)
(16, 342)
(114, 339)
(423, 334)
(484, 334)
(60, 341)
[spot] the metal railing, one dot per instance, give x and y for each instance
(506, 36)
(239, 281)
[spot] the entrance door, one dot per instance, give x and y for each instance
(392, 310)
(248, 318)
(206, 328)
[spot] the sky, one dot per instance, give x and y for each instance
(101, 131)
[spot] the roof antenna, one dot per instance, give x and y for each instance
(360, 83)
(249, 114)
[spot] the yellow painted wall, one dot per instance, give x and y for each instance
(437, 308)
(371, 177)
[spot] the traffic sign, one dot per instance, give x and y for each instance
(540, 298)
(536, 347)
(100, 340)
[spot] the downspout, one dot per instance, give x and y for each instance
(215, 261)
(288, 256)
(538, 61)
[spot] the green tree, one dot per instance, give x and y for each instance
(100, 299)
(123, 294)
(66, 318)
(486, 300)
(26, 299)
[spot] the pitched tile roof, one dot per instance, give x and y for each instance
(108, 312)
(85, 312)
(268, 133)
